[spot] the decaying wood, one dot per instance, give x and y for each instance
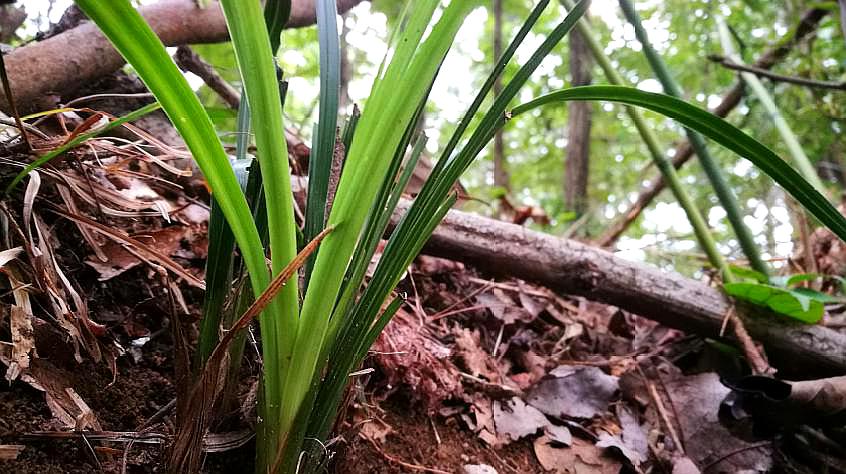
(730, 100)
(69, 60)
(574, 268)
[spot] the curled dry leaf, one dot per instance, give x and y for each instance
(774, 402)
(20, 326)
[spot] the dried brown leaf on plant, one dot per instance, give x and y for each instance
(196, 413)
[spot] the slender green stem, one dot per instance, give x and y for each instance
(800, 159)
(700, 228)
(724, 193)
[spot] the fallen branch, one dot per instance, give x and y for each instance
(82, 54)
(730, 100)
(573, 268)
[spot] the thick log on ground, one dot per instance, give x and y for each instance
(572, 268)
(72, 59)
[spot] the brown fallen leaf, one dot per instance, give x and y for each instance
(119, 259)
(707, 442)
(515, 420)
(574, 392)
(580, 458)
(503, 307)
(472, 358)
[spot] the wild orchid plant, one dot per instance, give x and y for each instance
(314, 336)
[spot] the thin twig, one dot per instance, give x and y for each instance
(190, 61)
(753, 355)
(801, 81)
(662, 412)
(734, 452)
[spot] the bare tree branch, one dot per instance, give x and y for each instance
(802, 81)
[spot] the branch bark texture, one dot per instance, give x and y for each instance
(80, 55)
(572, 268)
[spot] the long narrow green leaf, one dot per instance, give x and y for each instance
(656, 151)
(716, 129)
(392, 105)
(252, 46)
(276, 15)
(134, 39)
(323, 150)
(724, 193)
(414, 229)
(803, 163)
(220, 261)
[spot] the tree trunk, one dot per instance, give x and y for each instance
(578, 130)
(501, 179)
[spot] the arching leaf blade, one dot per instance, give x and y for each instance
(714, 128)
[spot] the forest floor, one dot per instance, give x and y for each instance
(472, 376)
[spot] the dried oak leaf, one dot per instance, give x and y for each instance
(503, 307)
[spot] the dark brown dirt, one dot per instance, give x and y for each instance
(140, 391)
(413, 441)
